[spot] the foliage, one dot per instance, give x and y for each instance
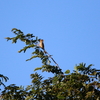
(3, 78)
(82, 84)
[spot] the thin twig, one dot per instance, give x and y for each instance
(52, 58)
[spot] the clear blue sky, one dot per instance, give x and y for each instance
(70, 29)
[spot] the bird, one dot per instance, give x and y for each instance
(41, 44)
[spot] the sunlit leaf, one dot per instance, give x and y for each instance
(67, 71)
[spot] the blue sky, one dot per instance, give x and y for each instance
(70, 29)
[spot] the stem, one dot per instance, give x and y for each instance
(51, 58)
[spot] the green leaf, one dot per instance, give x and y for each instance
(27, 42)
(61, 97)
(32, 58)
(67, 71)
(8, 38)
(14, 29)
(26, 47)
(36, 38)
(39, 68)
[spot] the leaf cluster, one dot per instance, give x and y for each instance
(3, 79)
(82, 84)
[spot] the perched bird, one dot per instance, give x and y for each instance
(41, 44)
